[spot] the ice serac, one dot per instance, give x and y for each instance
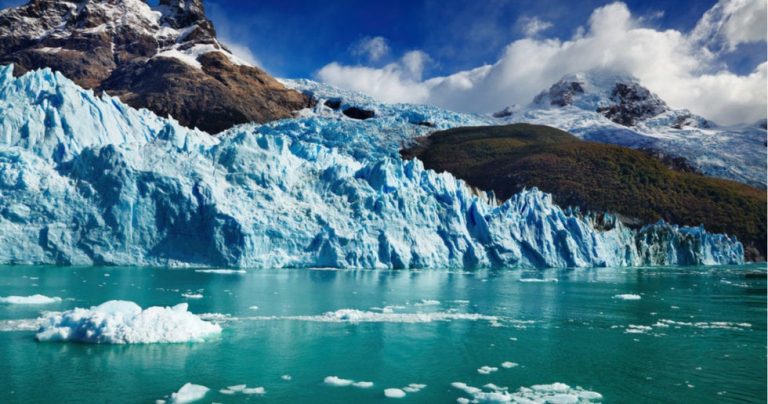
(165, 58)
(88, 180)
(615, 108)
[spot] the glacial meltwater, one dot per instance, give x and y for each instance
(640, 335)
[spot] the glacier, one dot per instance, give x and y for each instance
(86, 180)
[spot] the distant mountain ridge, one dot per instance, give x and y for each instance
(163, 58)
(613, 108)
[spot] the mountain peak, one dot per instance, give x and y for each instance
(619, 97)
(165, 58)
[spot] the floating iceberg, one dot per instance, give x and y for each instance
(122, 322)
(189, 393)
(88, 180)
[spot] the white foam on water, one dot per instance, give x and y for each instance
(394, 393)
(638, 329)
(287, 378)
(427, 302)
(704, 325)
(538, 280)
(221, 271)
(628, 296)
(189, 393)
(192, 295)
(360, 316)
(123, 322)
(31, 300)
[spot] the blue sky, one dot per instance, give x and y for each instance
(296, 38)
(479, 56)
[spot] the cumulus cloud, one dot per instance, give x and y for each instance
(732, 22)
(374, 48)
(242, 52)
(532, 26)
(396, 82)
(671, 63)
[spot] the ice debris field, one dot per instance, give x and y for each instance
(87, 180)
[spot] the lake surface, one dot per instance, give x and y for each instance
(695, 334)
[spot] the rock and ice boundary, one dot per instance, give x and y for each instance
(87, 180)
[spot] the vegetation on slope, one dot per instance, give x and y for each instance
(597, 177)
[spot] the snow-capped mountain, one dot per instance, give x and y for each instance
(614, 108)
(165, 58)
(89, 180)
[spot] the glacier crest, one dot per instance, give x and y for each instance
(101, 183)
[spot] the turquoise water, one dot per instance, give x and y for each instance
(572, 331)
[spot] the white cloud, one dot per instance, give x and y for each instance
(732, 22)
(374, 48)
(395, 82)
(671, 63)
(242, 52)
(533, 26)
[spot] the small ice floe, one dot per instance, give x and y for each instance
(189, 393)
(540, 393)
(486, 370)
(254, 390)
(287, 378)
(123, 322)
(25, 324)
(253, 308)
(427, 302)
(414, 388)
(243, 389)
(509, 365)
(190, 295)
(221, 271)
(337, 381)
(394, 393)
(628, 296)
(30, 300)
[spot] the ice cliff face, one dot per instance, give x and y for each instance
(86, 180)
(613, 108)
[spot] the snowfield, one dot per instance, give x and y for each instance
(87, 180)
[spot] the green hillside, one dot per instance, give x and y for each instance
(595, 176)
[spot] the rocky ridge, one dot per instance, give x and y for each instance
(164, 58)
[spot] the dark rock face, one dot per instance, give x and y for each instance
(633, 103)
(166, 59)
(358, 113)
(561, 93)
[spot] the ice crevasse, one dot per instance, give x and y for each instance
(87, 180)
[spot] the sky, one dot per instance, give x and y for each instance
(479, 56)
